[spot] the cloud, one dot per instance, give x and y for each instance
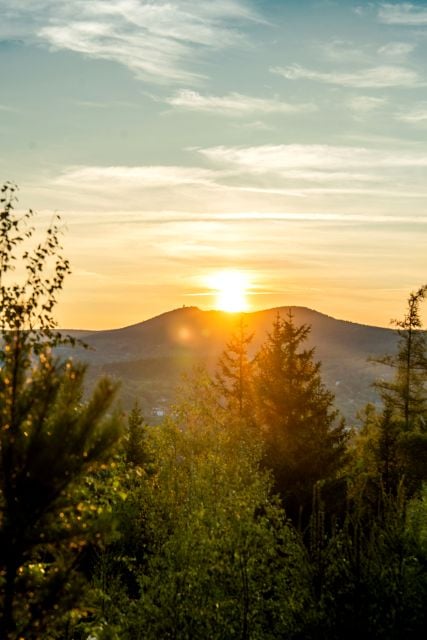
(318, 157)
(260, 177)
(359, 10)
(113, 104)
(396, 50)
(157, 40)
(403, 13)
(233, 104)
(344, 50)
(355, 190)
(366, 104)
(416, 115)
(255, 125)
(372, 78)
(119, 177)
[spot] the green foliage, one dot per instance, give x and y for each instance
(370, 574)
(49, 441)
(218, 558)
(26, 303)
(304, 437)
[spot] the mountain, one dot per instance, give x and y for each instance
(150, 357)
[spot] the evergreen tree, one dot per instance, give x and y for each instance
(406, 394)
(49, 440)
(398, 434)
(370, 574)
(234, 376)
(386, 452)
(134, 444)
(304, 437)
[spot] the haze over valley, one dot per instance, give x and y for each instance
(150, 358)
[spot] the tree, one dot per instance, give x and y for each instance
(304, 437)
(397, 435)
(135, 453)
(234, 376)
(49, 438)
(406, 394)
(373, 579)
(223, 562)
(213, 555)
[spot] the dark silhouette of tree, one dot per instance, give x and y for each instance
(304, 436)
(234, 376)
(398, 434)
(406, 394)
(135, 452)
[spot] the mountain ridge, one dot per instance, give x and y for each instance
(219, 311)
(149, 357)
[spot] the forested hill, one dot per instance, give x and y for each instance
(150, 357)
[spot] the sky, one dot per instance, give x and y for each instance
(284, 139)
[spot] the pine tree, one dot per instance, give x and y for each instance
(49, 439)
(304, 437)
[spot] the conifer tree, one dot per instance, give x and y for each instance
(406, 393)
(234, 376)
(398, 434)
(49, 438)
(304, 436)
(386, 452)
(134, 445)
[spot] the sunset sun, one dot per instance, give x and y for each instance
(231, 288)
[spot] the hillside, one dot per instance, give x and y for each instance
(150, 357)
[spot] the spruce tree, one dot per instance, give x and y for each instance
(234, 375)
(304, 436)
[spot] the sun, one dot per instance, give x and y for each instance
(231, 287)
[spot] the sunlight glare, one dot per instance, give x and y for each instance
(231, 288)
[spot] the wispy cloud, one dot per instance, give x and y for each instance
(415, 115)
(234, 104)
(282, 170)
(112, 104)
(156, 40)
(372, 77)
(404, 13)
(355, 190)
(254, 125)
(118, 177)
(397, 51)
(366, 104)
(344, 51)
(348, 52)
(317, 157)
